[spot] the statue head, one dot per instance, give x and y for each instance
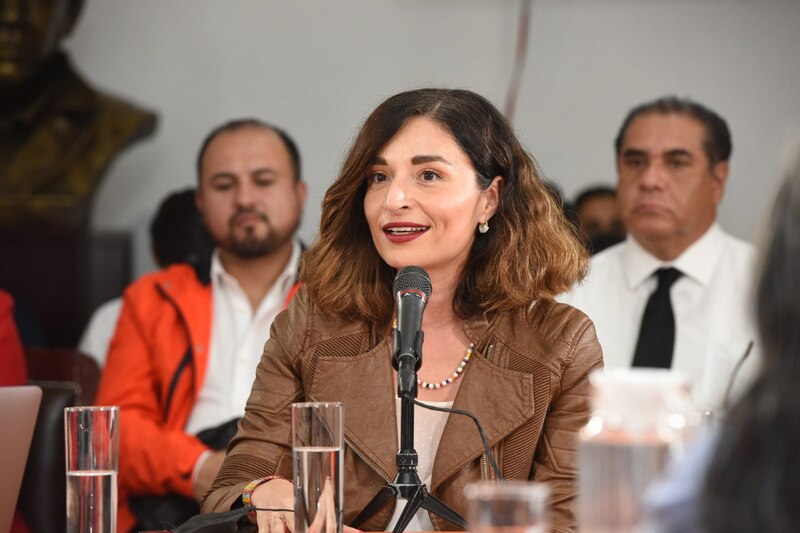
(30, 31)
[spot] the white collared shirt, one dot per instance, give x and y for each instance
(712, 303)
(96, 338)
(237, 341)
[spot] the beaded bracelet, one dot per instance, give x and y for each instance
(247, 492)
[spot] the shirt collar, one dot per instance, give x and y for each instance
(696, 262)
(289, 275)
(284, 282)
(218, 273)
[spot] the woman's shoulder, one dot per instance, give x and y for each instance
(548, 330)
(318, 326)
(555, 320)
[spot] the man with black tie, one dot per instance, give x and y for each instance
(675, 293)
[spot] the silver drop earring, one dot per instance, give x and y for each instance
(483, 227)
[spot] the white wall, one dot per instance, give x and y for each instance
(318, 67)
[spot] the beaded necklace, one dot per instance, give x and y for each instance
(452, 377)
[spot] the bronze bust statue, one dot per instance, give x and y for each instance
(58, 134)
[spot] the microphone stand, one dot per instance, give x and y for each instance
(407, 484)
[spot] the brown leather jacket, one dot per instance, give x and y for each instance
(527, 384)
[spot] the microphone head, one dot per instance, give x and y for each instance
(413, 277)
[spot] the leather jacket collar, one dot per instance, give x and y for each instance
(500, 398)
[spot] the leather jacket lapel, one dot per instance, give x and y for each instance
(501, 399)
(364, 384)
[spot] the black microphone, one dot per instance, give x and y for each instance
(412, 288)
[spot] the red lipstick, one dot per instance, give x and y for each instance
(402, 232)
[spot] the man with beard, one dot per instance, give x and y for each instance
(188, 340)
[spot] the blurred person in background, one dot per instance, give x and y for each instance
(745, 475)
(753, 483)
(598, 218)
(675, 294)
(188, 339)
(177, 235)
(13, 370)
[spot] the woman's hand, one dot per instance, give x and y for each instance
(325, 519)
(275, 494)
(279, 494)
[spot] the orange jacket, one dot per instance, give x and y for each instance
(156, 365)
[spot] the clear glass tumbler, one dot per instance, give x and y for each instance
(515, 507)
(318, 455)
(92, 445)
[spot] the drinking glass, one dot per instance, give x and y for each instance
(517, 507)
(92, 445)
(318, 455)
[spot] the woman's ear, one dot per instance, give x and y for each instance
(492, 197)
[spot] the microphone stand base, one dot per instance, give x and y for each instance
(417, 497)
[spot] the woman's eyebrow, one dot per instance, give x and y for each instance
(420, 159)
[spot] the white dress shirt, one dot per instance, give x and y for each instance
(712, 303)
(97, 336)
(237, 341)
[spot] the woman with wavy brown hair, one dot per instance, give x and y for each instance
(437, 179)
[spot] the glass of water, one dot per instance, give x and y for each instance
(515, 507)
(318, 455)
(92, 444)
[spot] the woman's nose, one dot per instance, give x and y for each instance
(399, 195)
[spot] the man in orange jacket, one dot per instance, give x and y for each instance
(188, 340)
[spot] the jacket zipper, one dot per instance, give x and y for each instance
(176, 376)
(484, 458)
(188, 357)
(484, 467)
(369, 464)
(367, 461)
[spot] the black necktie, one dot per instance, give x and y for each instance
(657, 332)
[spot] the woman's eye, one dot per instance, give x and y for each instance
(377, 177)
(429, 175)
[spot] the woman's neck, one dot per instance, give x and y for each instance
(439, 310)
